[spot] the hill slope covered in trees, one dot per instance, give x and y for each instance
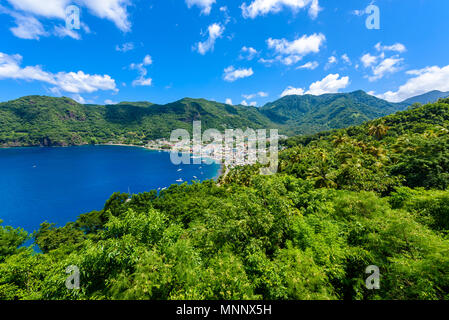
(46, 121)
(373, 194)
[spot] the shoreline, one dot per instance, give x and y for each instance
(220, 170)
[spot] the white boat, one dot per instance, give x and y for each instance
(179, 180)
(179, 170)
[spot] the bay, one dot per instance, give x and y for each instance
(58, 184)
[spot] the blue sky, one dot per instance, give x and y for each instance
(244, 51)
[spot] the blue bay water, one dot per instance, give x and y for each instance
(59, 184)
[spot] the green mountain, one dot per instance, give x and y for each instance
(40, 120)
(428, 97)
(310, 114)
(47, 121)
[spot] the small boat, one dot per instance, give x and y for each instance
(179, 170)
(195, 177)
(179, 180)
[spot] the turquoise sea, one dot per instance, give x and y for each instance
(59, 184)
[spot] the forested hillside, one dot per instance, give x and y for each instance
(47, 121)
(373, 194)
(309, 114)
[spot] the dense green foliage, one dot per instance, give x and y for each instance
(374, 194)
(45, 121)
(309, 114)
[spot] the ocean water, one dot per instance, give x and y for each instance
(59, 184)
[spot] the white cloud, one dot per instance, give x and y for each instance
(215, 31)
(78, 98)
(424, 80)
(388, 65)
(368, 60)
(292, 91)
(253, 103)
(28, 28)
(248, 53)
(254, 95)
(380, 65)
(290, 52)
(205, 5)
(140, 67)
(266, 61)
(125, 47)
(231, 74)
(229, 101)
(48, 8)
(398, 47)
(309, 65)
(301, 46)
(263, 7)
(62, 31)
(109, 101)
(330, 61)
(73, 82)
(113, 10)
(346, 59)
(330, 84)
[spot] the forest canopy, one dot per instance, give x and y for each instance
(373, 194)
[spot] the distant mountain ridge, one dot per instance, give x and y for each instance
(49, 121)
(428, 97)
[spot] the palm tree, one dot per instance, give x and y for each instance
(378, 131)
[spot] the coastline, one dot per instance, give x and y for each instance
(220, 171)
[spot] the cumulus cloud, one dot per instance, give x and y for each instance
(330, 84)
(231, 74)
(368, 60)
(73, 82)
(205, 5)
(141, 68)
(423, 80)
(229, 101)
(263, 7)
(290, 52)
(292, 91)
(215, 31)
(248, 53)
(379, 64)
